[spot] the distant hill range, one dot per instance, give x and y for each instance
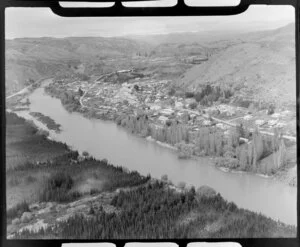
(256, 65)
(259, 65)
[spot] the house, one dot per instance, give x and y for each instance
(260, 122)
(206, 123)
(221, 126)
(275, 115)
(248, 117)
(190, 101)
(198, 60)
(272, 122)
(167, 111)
(178, 105)
(155, 107)
(163, 119)
(281, 125)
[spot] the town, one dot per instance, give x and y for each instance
(106, 100)
(155, 109)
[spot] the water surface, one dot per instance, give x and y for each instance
(104, 139)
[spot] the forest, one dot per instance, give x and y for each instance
(210, 94)
(49, 122)
(69, 100)
(157, 212)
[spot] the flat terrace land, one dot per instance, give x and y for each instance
(148, 106)
(128, 92)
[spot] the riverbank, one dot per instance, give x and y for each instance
(135, 153)
(177, 136)
(96, 193)
(49, 122)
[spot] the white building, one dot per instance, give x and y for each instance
(248, 117)
(259, 122)
(167, 111)
(155, 107)
(163, 119)
(178, 105)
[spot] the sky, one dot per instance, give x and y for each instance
(42, 22)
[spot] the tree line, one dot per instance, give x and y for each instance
(212, 141)
(157, 212)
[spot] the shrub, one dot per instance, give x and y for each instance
(56, 188)
(181, 185)
(171, 92)
(91, 211)
(198, 96)
(164, 178)
(271, 109)
(17, 210)
(189, 94)
(193, 105)
(26, 217)
(205, 191)
(227, 162)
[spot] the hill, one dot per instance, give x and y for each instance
(257, 65)
(30, 59)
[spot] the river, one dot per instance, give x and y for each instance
(104, 139)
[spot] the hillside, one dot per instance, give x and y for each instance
(258, 66)
(30, 59)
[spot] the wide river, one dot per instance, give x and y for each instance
(104, 139)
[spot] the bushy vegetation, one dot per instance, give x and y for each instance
(193, 105)
(210, 94)
(247, 156)
(65, 171)
(57, 188)
(211, 141)
(70, 100)
(157, 212)
(17, 210)
(189, 95)
(49, 122)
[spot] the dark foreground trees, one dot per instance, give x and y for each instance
(157, 212)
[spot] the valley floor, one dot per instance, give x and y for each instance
(146, 108)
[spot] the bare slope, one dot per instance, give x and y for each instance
(259, 65)
(34, 58)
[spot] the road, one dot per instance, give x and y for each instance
(290, 138)
(228, 123)
(24, 90)
(97, 82)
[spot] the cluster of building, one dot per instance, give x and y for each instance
(150, 96)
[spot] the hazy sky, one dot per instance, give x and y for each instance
(41, 22)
